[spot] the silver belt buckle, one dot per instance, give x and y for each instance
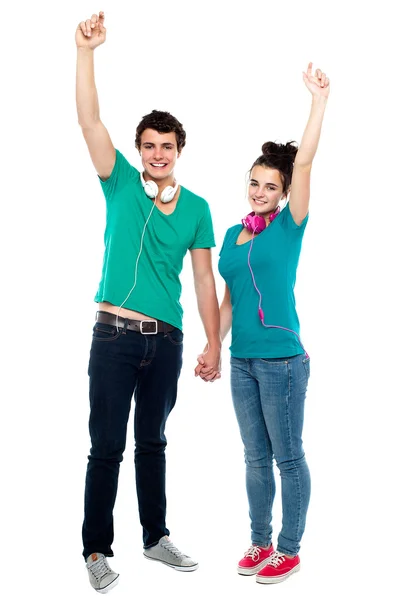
(149, 327)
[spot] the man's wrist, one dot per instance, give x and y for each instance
(215, 343)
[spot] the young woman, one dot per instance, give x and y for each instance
(269, 365)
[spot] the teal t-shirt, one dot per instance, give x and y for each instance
(274, 260)
(166, 241)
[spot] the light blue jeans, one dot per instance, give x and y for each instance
(269, 398)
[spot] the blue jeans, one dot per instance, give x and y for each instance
(123, 363)
(269, 397)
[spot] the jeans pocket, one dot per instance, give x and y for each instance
(175, 336)
(306, 366)
(274, 361)
(102, 332)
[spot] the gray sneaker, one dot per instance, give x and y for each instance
(169, 555)
(102, 577)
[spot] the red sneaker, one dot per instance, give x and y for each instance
(254, 559)
(278, 568)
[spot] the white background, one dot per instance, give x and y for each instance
(231, 73)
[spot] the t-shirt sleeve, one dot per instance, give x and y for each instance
(227, 236)
(121, 174)
(204, 237)
(287, 222)
(224, 242)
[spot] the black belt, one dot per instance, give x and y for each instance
(146, 326)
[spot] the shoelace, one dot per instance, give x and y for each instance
(253, 553)
(99, 568)
(276, 559)
(171, 548)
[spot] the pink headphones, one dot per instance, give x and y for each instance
(256, 224)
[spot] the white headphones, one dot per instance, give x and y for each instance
(151, 190)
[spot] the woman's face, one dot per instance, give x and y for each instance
(265, 190)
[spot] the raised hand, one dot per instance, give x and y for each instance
(91, 33)
(318, 84)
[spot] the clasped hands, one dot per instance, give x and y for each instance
(209, 364)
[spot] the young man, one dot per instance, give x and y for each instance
(137, 338)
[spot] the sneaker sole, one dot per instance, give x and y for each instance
(252, 570)
(279, 578)
(176, 567)
(109, 586)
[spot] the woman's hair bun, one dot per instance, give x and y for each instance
(273, 150)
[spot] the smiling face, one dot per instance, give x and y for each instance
(158, 154)
(265, 190)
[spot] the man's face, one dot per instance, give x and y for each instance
(158, 153)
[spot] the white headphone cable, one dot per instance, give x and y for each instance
(137, 263)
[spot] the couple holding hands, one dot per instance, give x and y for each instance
(151, 222)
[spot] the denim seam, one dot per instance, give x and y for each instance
(172, 341)
(270, 506)
(270, 485)
(113, 338)
(305, 363)
(245, 366)
(291, 453)
(271, 488)
(144, 362)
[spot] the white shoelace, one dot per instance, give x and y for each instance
(253, 553)
(99, 568)
(171, 548)
(276, 559)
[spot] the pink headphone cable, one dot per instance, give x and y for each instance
(260, 311)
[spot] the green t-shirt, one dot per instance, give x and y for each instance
(166, 241)
(274, 261)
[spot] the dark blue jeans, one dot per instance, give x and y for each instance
(123, 363)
